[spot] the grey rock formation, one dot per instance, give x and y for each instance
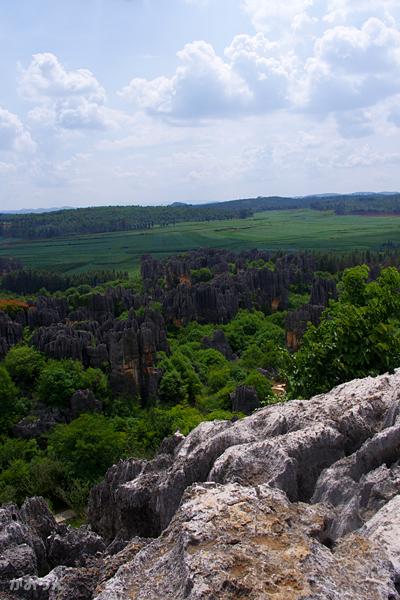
(286, 445)
(231, 542)
(245, 400)
(299, 501)
(219, 342)
(362, 483)
(71, 547)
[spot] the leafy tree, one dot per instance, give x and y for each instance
(24, 364)
(359, 335)
(60, 379)
(87, 447)
(172, 389)
(262, 386)
(10, 403)
(218, 378)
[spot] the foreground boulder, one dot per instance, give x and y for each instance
(299, 501)
(230, 542)
(286, 446)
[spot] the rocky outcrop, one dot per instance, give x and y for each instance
(287, 446)
(44, 418)
(361, 484)
(245, 400)
(32, 543)
(323, 290)
(297, 322)
(219, 342)
(231, 542)
(297, 501)
(126, 348)
(10, 333)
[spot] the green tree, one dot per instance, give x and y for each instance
(60, 379)
(87, 447)
(262, 385)
(359, 335)
(11, 406)
(24, 365)
(172, 389)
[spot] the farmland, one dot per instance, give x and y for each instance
(276, 230)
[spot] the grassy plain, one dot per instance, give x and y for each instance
(284, 230)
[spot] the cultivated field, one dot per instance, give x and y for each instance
(288, 230)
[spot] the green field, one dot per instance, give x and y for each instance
(286, 230)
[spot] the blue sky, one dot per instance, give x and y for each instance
(153, 101)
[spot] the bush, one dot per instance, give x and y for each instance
(60, 379)
(87, 447)
(11, 406)
(24, 365)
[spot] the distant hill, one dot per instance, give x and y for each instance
(28, 211)
(50, 223)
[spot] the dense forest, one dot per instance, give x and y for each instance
(102, 366)
(128, 218)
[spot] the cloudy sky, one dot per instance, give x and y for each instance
(154, 101)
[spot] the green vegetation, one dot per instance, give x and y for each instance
(358, 336)
(275, 230)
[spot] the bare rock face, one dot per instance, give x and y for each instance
(231, 542)
(219, 342)
(10, 333)
(287, 446)
(362, 483)
(299, 501)
(32, 543)
(245, 400)
(384, 528)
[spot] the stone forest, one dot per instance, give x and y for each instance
(219, 425)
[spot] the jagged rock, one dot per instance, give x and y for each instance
(171, 443)
(10, 333)
(22, 551)
(289, 462)
(219, 342)
(384, 528)
(228, 505)
(43, 419)
(127, 348)
(36, 514)
(323, 290)
(18, 560)
(362, 483)
(245, 400)
(231, 542)
(298, 321)
(71, 547)
(140, 498)
(83, 401)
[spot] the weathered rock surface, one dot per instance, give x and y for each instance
(245, 400)
(231, 542)
(299, 501)
(287, 446)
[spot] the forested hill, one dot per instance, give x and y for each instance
(126, 218)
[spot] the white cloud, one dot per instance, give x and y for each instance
(14, 137)
(247, 80)
(46, 77)
(71, 100)
(353, 67)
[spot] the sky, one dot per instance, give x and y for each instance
(157, 101)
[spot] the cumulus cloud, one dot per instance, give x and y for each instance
(353, 67)
(247, 79)
(14, 137)
(65, 99)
